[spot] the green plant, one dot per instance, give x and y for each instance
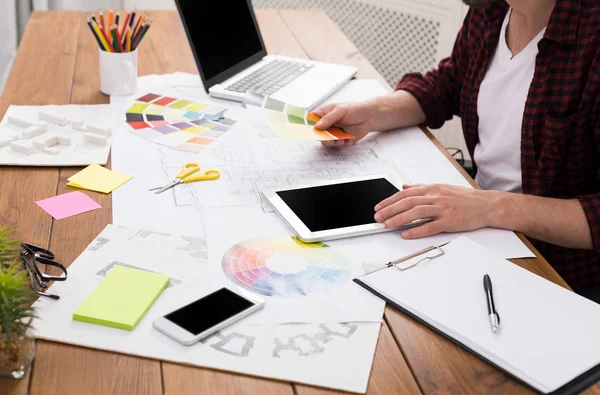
(15, 294)
(9, 248)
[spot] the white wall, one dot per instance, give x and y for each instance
(8, 40)
(151, 4)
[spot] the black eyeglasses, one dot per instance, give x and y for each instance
(34, 257)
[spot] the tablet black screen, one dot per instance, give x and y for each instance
(338, 206)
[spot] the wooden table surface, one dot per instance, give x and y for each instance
(57, 63)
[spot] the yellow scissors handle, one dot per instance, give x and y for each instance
(207, 175)
(188, 170)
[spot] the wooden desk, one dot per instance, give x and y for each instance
(57, 63)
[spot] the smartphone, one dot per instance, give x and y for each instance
(207, 315)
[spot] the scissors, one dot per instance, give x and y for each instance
(184, 177)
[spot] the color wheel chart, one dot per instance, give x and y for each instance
(177, 123)
(278, 119)
(285, 267)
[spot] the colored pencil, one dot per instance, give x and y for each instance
(102, 37)
(132, 18)
(138, 24)
(141, 36)
(108, 40)
(115, 37)
(128, 41)
(125, 24)
(102, 25)
(109, 34)
(95, 35)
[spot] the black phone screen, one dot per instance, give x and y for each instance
(209, 311)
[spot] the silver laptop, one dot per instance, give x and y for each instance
(233, 63)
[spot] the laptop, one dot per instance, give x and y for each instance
(234, 65)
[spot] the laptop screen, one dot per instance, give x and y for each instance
(223, 35)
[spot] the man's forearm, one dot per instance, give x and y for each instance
(556, 221)
(396, 110)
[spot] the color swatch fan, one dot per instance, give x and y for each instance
(180, 124)
(277, 119)
(285, 267)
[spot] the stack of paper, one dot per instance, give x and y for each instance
(122, 298)
(98, 178)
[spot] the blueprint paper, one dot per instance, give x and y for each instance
(334, 355)
(78, 152)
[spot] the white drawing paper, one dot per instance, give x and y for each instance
(329, 354)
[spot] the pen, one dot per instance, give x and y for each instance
(494, 316)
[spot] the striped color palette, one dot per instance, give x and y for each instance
(276, 119)
(180, 124)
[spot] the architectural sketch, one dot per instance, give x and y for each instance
(306, 344)
(234, 343)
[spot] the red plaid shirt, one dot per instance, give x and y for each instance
(560, 135)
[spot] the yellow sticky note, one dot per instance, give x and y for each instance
(98, 178)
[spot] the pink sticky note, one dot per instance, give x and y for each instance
(67, 205)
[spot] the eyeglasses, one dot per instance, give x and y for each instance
(38, 262)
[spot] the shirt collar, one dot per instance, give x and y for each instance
(562, 26)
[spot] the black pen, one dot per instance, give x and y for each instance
(494, 316)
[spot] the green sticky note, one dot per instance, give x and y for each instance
(122, 298)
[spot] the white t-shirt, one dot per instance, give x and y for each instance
(500, 107)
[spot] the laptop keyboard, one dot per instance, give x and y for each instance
(270, 78)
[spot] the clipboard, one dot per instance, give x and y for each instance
(575, 386)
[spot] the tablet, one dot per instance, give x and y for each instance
(334, 209)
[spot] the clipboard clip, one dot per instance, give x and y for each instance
(438, 252)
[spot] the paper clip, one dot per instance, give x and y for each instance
(438, 253)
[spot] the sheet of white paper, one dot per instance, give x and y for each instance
(324, 354)
(547, 337)
(77, 153)
(249, 163)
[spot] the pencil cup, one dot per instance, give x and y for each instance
(118, 72)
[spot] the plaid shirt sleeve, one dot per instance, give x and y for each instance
(438, 91)
(591, 203)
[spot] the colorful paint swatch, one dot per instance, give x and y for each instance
(176, 123)
(293, 123)
(68, 205)
(138, 108)
(179, 104)
(164, 101)
(149, 97)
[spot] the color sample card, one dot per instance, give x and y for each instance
(278, 119)
(68, 205)
(177, 123)
(98, 178)
(122, 298)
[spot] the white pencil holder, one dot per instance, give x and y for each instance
(118, 72)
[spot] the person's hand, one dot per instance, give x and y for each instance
(355, 118)
(452, 208)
